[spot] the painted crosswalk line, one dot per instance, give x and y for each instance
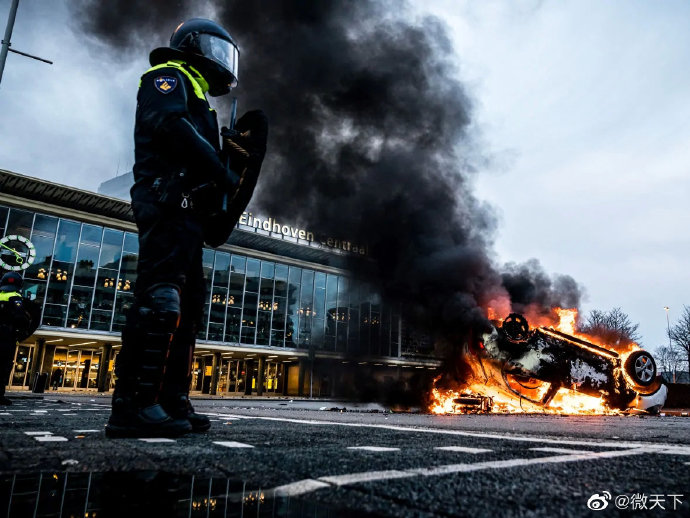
(372, 448)
(232, 444)
(463, 449)
(548, 449)
(50, 438)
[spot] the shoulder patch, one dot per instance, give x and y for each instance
(165, 84)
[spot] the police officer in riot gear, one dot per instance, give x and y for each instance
(188, 190)
(15, 325)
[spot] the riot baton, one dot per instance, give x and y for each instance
(231, 128)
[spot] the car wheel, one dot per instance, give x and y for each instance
(516, 328)
(641, 368)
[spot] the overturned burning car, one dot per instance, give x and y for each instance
(518, 368)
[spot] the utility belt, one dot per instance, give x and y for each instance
(175, 192)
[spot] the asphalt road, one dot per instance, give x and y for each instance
(282, 458)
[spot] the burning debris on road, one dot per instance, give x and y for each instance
(516, 368)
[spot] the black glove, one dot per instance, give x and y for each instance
(245, 146)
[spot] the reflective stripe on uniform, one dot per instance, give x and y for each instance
(7, 295)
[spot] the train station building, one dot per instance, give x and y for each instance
(283, 316)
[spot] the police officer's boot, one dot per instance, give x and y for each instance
(178, 406)
(141, 366)
(178, 378)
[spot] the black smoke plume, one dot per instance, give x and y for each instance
(371, 142)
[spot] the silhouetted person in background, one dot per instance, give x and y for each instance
(56, 379)
(15, 325)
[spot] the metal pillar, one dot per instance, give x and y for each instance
(300, 377)
(36, 360)
(103, 378)
(215, 369)
(260, 377)
(249, 373)
(48, 359)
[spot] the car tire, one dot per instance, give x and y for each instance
(641, 368)
(516, 328)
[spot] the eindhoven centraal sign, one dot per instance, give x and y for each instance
(273, 226)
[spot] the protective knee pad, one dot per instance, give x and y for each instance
(160, 309)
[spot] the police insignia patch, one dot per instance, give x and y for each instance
(165, 84)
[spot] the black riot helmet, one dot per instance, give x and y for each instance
(206, 46)
(11, 281)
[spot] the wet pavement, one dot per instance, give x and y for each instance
(324, 458)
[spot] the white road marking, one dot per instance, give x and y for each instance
(463, 449)
(233, 444)
(50, 438)
(369, 476)
(69, 414)
(560, 450)
(372, 448)
(40, 411)
(675, 450)
(38, 433)
(512, 463)
(156, 439)
(483, 435)
(301, 487)
(5, 413)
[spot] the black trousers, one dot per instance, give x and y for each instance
(8, 346)
(170, 252)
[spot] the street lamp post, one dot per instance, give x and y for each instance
(6, 40)
(668, 331)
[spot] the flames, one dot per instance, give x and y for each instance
(497, 398)
(567, 402)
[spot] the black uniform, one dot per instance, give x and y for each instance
(177, 153)
(182, 176)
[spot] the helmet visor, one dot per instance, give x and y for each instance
(223, 52)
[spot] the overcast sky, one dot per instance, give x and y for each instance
(583, 107)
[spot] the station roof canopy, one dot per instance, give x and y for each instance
(64, 196)
(73, 198)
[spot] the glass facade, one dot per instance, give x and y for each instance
(84, 274)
